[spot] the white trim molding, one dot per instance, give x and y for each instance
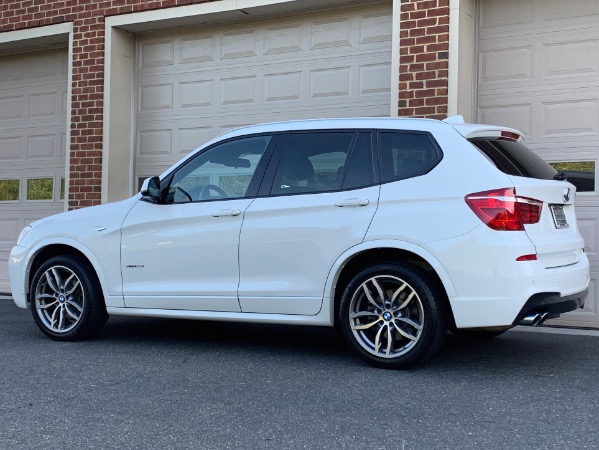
(461, 59)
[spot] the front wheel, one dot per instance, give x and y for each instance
(393, 315)
(66, 299)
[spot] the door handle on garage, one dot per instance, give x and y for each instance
(353, 202)
(227, 213)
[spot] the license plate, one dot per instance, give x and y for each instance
(559, 217)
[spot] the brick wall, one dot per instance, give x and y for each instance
(424, 53)
(423, 67)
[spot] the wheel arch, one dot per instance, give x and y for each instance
(47, 249)
(367, 253)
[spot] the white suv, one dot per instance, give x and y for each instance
(392, 230)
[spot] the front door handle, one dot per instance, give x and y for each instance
(353, 202)
(227, 213)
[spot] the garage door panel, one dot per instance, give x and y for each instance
(366, 79)
(557, 113)
(551, 58)
(501, 18)
(318, 35)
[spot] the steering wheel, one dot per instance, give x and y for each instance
(205, 192)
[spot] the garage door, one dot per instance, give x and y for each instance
(538, 71)
(33, 91)
(193, 85)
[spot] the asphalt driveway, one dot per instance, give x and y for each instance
(153, 383)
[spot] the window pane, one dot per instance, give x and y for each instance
(62, 188)
(40, 188)
(514, 158)
(360, 171)
(580, 173)
(312, 162)
(222, 172)
(407, 155)
(9, 190)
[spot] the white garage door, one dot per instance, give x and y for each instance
(538, 71)
(33, 91)
(192, 85)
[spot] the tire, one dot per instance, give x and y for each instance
(66, 299)
(405, 326)
(477, 333)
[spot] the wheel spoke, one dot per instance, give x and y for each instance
(61, 317)
(47, 305)
(410, 322)
(397, 293)
(72, 315)
(53, 318)
(74, 305)
(363, 314)
(369, 296)
(66, 283)
(377, 340)
(408, 300)
(365, 326)
(51, 283)
(58, 278)
(39, 296)
(379, 290)
(404, 333)
(389, 339)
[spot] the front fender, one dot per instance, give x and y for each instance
(116, 299)
(333, 276)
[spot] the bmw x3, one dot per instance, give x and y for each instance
(394, 231)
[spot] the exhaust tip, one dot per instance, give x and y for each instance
(533, 320)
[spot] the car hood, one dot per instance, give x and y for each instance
(80, 224)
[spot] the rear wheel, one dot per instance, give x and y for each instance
(393, 315)
(66, 299)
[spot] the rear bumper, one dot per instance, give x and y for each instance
(552, 303)
(493, 289)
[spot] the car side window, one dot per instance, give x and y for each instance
(219, 173)
(407, 155)
(359, 171)
(316, 162)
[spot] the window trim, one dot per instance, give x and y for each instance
(269, 177)
(412, 132)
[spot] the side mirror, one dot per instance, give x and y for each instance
(151, 188)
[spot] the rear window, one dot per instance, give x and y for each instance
(514, 158)
(407, 155)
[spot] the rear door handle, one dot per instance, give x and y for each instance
(227, 213)
(353, 202)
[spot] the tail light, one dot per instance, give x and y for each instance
(503, 210)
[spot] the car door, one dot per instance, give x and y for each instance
(314, 204)
(182, 253)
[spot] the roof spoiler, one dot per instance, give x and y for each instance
(455, 120)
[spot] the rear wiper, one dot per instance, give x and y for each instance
(560, 176)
